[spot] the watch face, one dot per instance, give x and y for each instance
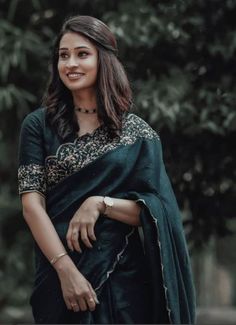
(108, 201)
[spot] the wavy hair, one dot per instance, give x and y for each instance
(114, 96)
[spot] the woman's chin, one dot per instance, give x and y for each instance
(75, 86)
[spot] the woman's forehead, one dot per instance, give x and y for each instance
(72, 40)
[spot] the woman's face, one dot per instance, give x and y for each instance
(78, 62)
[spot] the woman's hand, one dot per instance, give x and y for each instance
(81, 226)
(77, 292)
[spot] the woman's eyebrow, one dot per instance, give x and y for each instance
(75, 48)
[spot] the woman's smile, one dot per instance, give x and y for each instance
(75, 75)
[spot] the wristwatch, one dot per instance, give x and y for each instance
(108, 201)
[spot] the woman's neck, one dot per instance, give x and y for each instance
(85, 99)
(87, 122)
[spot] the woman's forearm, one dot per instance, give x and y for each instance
(42, 228)
(123, 210)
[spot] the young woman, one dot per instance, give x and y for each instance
(91, 176)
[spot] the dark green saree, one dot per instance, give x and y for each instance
(135, 283)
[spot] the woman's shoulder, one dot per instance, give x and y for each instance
(35, 118)
(136, 125)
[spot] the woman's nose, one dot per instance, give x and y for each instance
(72, 62)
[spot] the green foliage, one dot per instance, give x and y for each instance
(179, 56)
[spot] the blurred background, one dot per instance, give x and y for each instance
(180, 59)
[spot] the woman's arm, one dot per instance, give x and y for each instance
(41, 226)
(77, 291)
(123, 210)
(82, 224)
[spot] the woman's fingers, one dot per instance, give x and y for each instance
(85, 232)
(85, 300)
(91, 303)
(92, 299)
(75, 240)
(75, 306)
(93, 293)
(69, 238)
(91, 233)
(84, 237)
(68, 303)
(82, 304)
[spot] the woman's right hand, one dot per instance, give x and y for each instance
(77, 291)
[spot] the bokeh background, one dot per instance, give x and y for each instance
(180, 59)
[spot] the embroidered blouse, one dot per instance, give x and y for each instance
(44, 160)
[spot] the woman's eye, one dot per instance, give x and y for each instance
(63, 55)
(83, 54)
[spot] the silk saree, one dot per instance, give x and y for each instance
(140, 275)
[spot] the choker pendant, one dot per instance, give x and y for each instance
(85, 110)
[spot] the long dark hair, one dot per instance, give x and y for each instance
(114, 96)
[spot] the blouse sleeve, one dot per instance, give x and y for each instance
(31, 170)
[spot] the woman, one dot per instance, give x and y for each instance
(90, 176)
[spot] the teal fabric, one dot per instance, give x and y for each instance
(137, 172)
(133, 287)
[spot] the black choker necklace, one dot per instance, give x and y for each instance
(85, 110)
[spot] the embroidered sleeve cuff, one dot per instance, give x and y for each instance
(31, 178)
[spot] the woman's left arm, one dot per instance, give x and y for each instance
(123, 210)
(82, 224)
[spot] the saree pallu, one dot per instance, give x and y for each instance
(127, 173)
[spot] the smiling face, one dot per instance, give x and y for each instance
(77, 63)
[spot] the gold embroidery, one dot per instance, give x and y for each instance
(32, 178)
(71, 157)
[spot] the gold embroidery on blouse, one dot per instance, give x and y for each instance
(32, 178)
(71, 157)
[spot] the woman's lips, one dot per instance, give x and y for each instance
(74, 75)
